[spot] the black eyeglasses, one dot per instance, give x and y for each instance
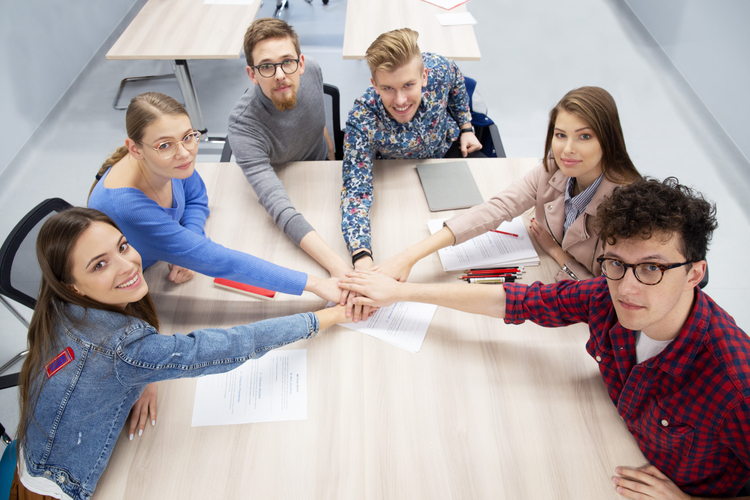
(647, 273)
(288, 66)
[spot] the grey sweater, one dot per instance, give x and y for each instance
(262, 137)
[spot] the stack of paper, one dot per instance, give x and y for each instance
(270, 389)
(489, 249)
(403, 324)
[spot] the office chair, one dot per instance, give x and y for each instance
(333, 118)
(284, 4)
(7, 463)
(19, 270)
(704, 281)
(333, 123)
(486, 130)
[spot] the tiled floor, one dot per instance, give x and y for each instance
(532, 54)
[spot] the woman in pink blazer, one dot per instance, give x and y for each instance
(586, 160)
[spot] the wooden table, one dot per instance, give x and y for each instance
(185, 29)
(365, 21)
(484, 410)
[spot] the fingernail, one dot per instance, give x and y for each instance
(619, 489)
(153, 422)
(131, 436)
(619, 471)
(615, 480)
(140, 432)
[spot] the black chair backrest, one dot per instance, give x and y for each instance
(333, 118)
(333, 123)
(19, 270)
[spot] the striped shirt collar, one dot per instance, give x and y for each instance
(575, 205)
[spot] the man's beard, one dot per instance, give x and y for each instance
(287, 103)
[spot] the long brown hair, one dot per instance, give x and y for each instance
(597, 108)
(54, 247)
(143, 110)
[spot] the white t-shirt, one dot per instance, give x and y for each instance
(38, 484)
(646, 347)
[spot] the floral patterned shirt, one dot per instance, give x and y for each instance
(369, 130)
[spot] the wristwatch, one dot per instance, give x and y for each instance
(470, 129)
(570, 272)
(364, 253)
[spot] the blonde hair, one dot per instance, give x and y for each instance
(392, 50)
(143, 110)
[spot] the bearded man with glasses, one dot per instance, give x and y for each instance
(676, 365)
(281, 118)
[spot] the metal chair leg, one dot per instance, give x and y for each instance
(136, 79)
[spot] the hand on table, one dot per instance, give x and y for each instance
(397, 267)
(373, 288)
(646, 483)
(179, 274)
(543, 237)
(469, 143)
(139, 413)
(355, 309)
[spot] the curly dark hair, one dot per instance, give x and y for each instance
(649, 206)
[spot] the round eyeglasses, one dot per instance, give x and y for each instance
(168, 149)
(288, 66)
(647, 273)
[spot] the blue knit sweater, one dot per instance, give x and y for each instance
(176, 235)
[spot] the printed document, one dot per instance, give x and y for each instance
(489, 249)
(270, 389)
(403, 324)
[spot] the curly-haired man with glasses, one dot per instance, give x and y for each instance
(281, 118)
(676, 365)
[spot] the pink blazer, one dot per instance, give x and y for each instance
(546, 191)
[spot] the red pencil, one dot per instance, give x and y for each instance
(498, 270)
(503, 232)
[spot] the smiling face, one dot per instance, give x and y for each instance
(576, 149)
(659, 310)
(106, 268)
(164, 133)
(280, 88)
(401, 89)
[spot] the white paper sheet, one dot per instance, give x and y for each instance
(270, 389)
(403, 324)
(456, 18)
(228, 2)
(489, 249)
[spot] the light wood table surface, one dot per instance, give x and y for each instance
(484, 410)
(365, 21)
(185, 29)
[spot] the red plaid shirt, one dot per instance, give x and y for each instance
(688, 407)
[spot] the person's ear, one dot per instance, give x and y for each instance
(696, 274)
(374, 85)
(134, 149)
(251, 74)
(301, 64)
(424, 77)
(73, 289)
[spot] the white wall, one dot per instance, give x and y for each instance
(46, 44)
(709, 43)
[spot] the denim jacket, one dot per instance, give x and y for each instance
(82, 407)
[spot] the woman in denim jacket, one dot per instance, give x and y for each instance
(94, 347)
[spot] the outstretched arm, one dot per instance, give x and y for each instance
(399, 266)
(649, 483)
(381, 291)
